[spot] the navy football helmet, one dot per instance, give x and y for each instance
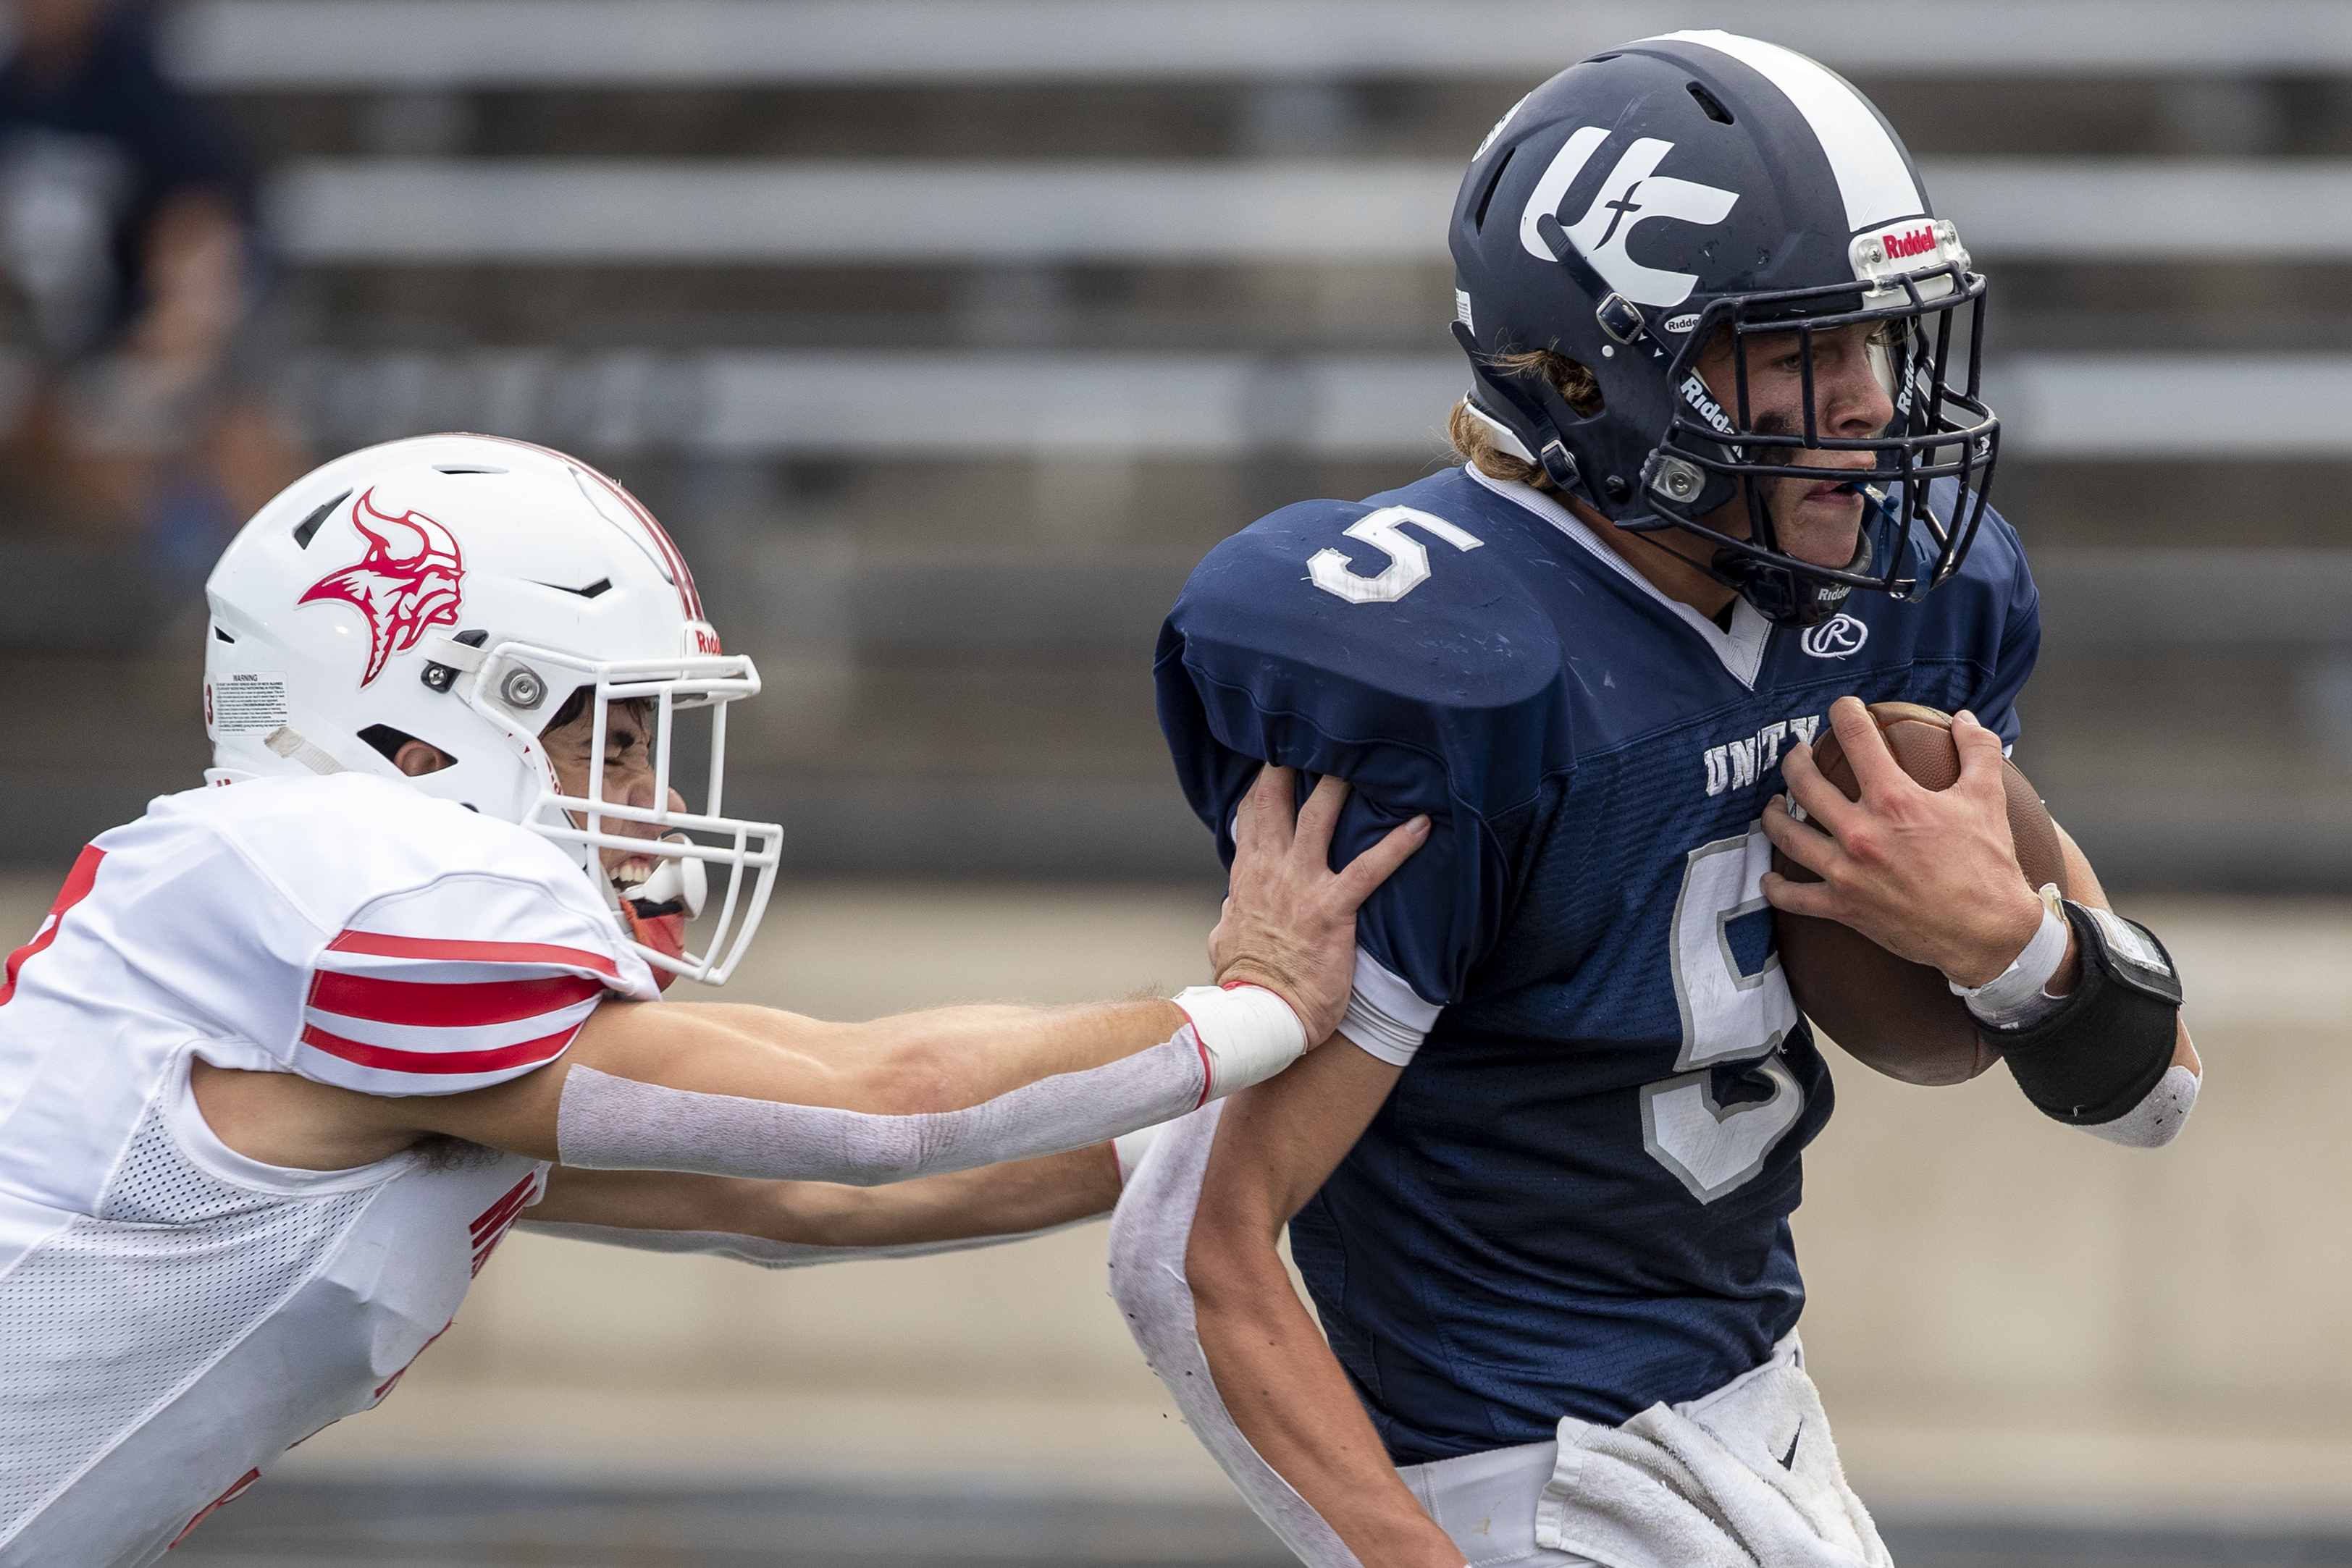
(1643, 203)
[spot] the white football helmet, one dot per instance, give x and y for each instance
(458, 590)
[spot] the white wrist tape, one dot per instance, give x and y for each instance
(1247, 1033)
(2014, 997)
(760, 1252)
(2156, 1120)
(603, 1123)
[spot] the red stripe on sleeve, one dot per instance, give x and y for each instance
(529, 1053)
(377, 944)
(78, 881)
(457, 1006)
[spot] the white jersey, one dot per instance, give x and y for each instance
(173, 1315)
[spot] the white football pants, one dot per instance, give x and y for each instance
(1746, 1477)
(1487, 1503)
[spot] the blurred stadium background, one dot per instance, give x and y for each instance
(946, 335)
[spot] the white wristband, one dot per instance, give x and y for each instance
(2015, 997)
(1247, 1033)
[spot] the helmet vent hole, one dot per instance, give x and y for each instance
(1486, 197)
(1715, 110)
(222, 636)
(456, 468)
(601, 585)
(307, 528)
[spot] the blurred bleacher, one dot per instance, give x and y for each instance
(947, 334)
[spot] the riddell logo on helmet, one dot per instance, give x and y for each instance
(410, 578)
(1694, 393)
(1917, 242)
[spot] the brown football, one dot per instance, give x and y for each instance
(1887, 1012)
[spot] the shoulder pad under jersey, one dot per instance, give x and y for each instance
(1387, 622)
(1394, 645)
(364, 933)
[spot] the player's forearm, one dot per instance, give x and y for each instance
(997, 1200)
(799, 1225)
(2085, 882)
(746, 1092)
(2088, 1017)
(960, 1057)
(947, 1058)
(1291, 1400)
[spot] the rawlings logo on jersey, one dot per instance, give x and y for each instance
(411, 578)
(1839, 637)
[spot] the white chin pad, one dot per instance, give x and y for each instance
(679, 879)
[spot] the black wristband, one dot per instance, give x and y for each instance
(2107, 1046)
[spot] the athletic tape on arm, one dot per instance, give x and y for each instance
(1232, 1039)
(1150, 1232)
(762, 1253)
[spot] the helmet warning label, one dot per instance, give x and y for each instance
(246, 702)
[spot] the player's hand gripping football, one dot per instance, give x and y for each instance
(1929, 875)
(1289, 920)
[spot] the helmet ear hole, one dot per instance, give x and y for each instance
(388, 742)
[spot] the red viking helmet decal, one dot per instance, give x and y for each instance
(409, 580)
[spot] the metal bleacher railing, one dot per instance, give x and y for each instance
(453, 211)
(249, 44)
(2086, 399)
(537, 211)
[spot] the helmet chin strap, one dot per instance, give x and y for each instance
(1782, 595)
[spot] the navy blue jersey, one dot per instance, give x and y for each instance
(1576, 1201)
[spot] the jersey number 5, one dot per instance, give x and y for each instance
(1408, 567)
(1729, 1018)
